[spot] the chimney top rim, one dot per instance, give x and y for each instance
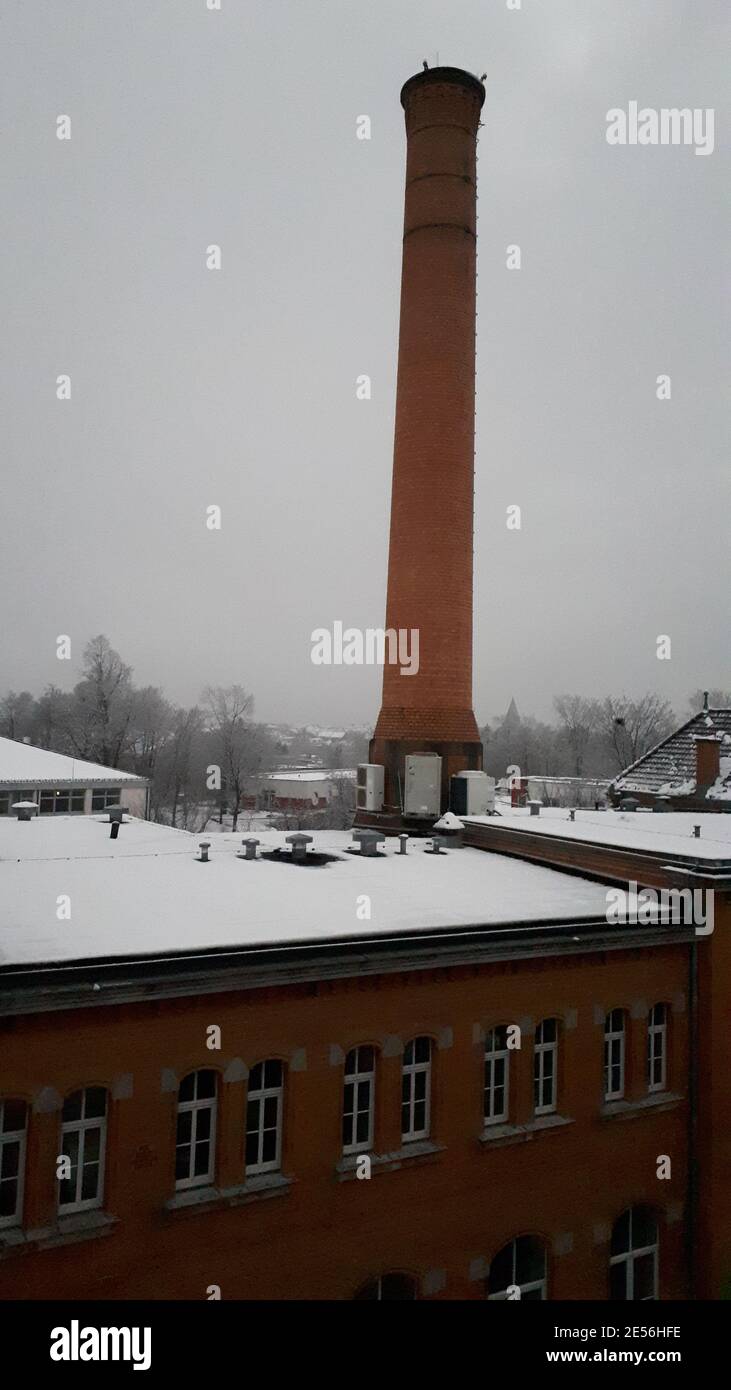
(458, 76)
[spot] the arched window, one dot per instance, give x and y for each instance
(358, 1099)
(657, 1048)
(634, 1257)
(83, 1142)
(13, 1125)
(519, 1265)
(388, 1286)
(195, 1143)
(416, 1090)
(545, 1067)
(497, 1076)
(264, 1105)
(615, 1031)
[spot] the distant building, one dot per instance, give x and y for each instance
(303, 788)
(689, 770)
(512, 718)
(62, 785)
(324, 737)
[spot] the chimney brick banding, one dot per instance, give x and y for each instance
(430, 570)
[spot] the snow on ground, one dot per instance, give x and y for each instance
(146, 893)
(664, 832)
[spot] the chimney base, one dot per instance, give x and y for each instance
(456, 755)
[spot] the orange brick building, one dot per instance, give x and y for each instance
(486, 1160)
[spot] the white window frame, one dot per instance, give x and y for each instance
(360, 1076)
(195, 1106)
(82, 1127)
(541, 1050)
(629, 1257)
(493, 1056)
(532, 1284)
(262, 1094)
(410, 1071)
(615, 1047)
(657, 1048)
(15, 1136)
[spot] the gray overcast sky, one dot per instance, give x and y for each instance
(192, 387)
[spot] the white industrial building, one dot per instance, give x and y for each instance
(62, 785)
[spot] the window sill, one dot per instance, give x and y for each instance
(631, 1109)
(516, 1134)
(68, 1230)
(424, 1150)
(256, 1188)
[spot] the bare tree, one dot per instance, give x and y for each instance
(16, 714)
(525, 743)
(578, 716)
(340, 812)
(152, 724)
(100, 711)
(51, 719)
(178, 777)
(229, 711)
(631, 727)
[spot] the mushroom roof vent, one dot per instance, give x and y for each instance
(369, 840)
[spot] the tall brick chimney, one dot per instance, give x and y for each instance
(430, 552)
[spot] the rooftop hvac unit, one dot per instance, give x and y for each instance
(369, 787)
(471, 793)
(423, 784)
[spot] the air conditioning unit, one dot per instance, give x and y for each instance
(369, 787)
(471, 793)
(423, 784)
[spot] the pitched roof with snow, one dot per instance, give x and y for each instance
(22, 765)
(670, 767)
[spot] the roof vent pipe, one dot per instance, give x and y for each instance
(697, 832)
(369, 840)
(204, 846)
(299, 843)
(535, 807)
(403, 841)
(249, 849)
(25, 809)
(114, 832)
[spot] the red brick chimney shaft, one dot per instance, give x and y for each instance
(430, 553)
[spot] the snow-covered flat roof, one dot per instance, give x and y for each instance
(22, 765)
(146, 893)
(667, 832)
